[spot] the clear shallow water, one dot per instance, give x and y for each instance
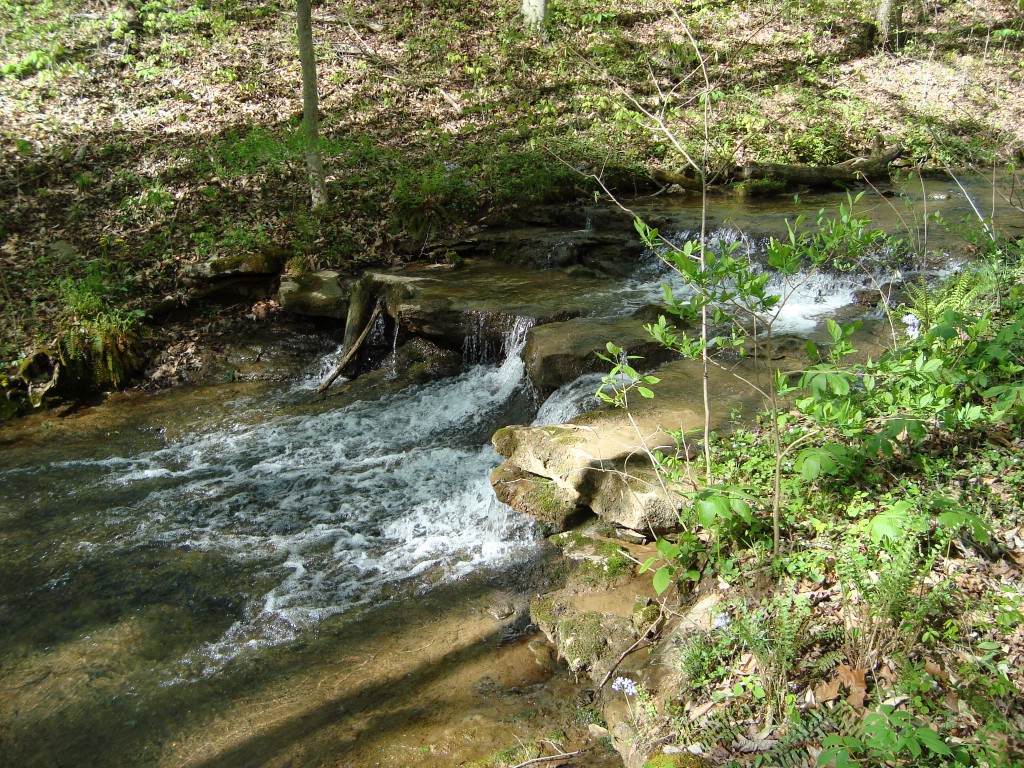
(332, 509)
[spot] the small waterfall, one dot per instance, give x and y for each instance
(334, 509)
(479, 346)
(394, 348)
(569, 401)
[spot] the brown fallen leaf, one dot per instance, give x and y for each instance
(935, 670)
(698, 712)
(854, 681)
(827, 691)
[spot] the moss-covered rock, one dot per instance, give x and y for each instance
(645, 613)
(319, 294)
(555, 508)
(544, 613)
(678, 760)
(240, 265)
(581, 639)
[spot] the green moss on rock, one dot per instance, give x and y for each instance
(680, 760)
(581, 640)
(543, 612)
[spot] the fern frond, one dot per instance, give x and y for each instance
(828, 661)
(956, 293)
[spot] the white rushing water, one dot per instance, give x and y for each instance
(336, 506)
(569, 401)
(808, 297)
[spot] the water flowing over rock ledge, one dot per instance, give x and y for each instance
(557, 472)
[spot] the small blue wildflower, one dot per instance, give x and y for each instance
(625, 685)
(913, 325)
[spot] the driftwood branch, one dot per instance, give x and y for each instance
(351, 352)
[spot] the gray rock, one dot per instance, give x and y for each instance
(320, 294)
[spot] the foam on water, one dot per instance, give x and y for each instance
(337, 508)
(809, 296)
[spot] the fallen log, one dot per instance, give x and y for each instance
(847, 172)
(351, 352)
(850, 171)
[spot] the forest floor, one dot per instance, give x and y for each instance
(138, 139)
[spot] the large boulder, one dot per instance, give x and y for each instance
(602, 460)
(607, 470)
(320, 294)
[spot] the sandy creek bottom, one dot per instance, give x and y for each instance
(429, 681)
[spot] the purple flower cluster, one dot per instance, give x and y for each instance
(625, 685)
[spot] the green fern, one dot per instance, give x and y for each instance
(956, 293)
(826, 662)
(803, 729)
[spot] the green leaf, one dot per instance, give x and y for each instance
(891, 523)
(712, 508)
(645, 392)
(668, 549)
(837, 756)
(662, 578)
(932, 741)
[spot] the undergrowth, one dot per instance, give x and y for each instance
(886, 635)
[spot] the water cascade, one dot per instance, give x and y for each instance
(334, 509)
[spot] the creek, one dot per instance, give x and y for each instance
(237, 574)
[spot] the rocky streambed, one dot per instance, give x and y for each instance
(246, 571)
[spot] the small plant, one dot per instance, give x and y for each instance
(98, 338)
(888, 734)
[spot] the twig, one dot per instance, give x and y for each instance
(633, 647)
(551, 758)
(451, 100)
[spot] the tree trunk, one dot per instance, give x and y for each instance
(534, 12)
(310, 107)
(888, 21)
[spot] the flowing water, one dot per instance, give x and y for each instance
(218, 526)
(237, 575)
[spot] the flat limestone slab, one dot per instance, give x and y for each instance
(602, 459)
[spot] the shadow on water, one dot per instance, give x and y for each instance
(341, 693)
